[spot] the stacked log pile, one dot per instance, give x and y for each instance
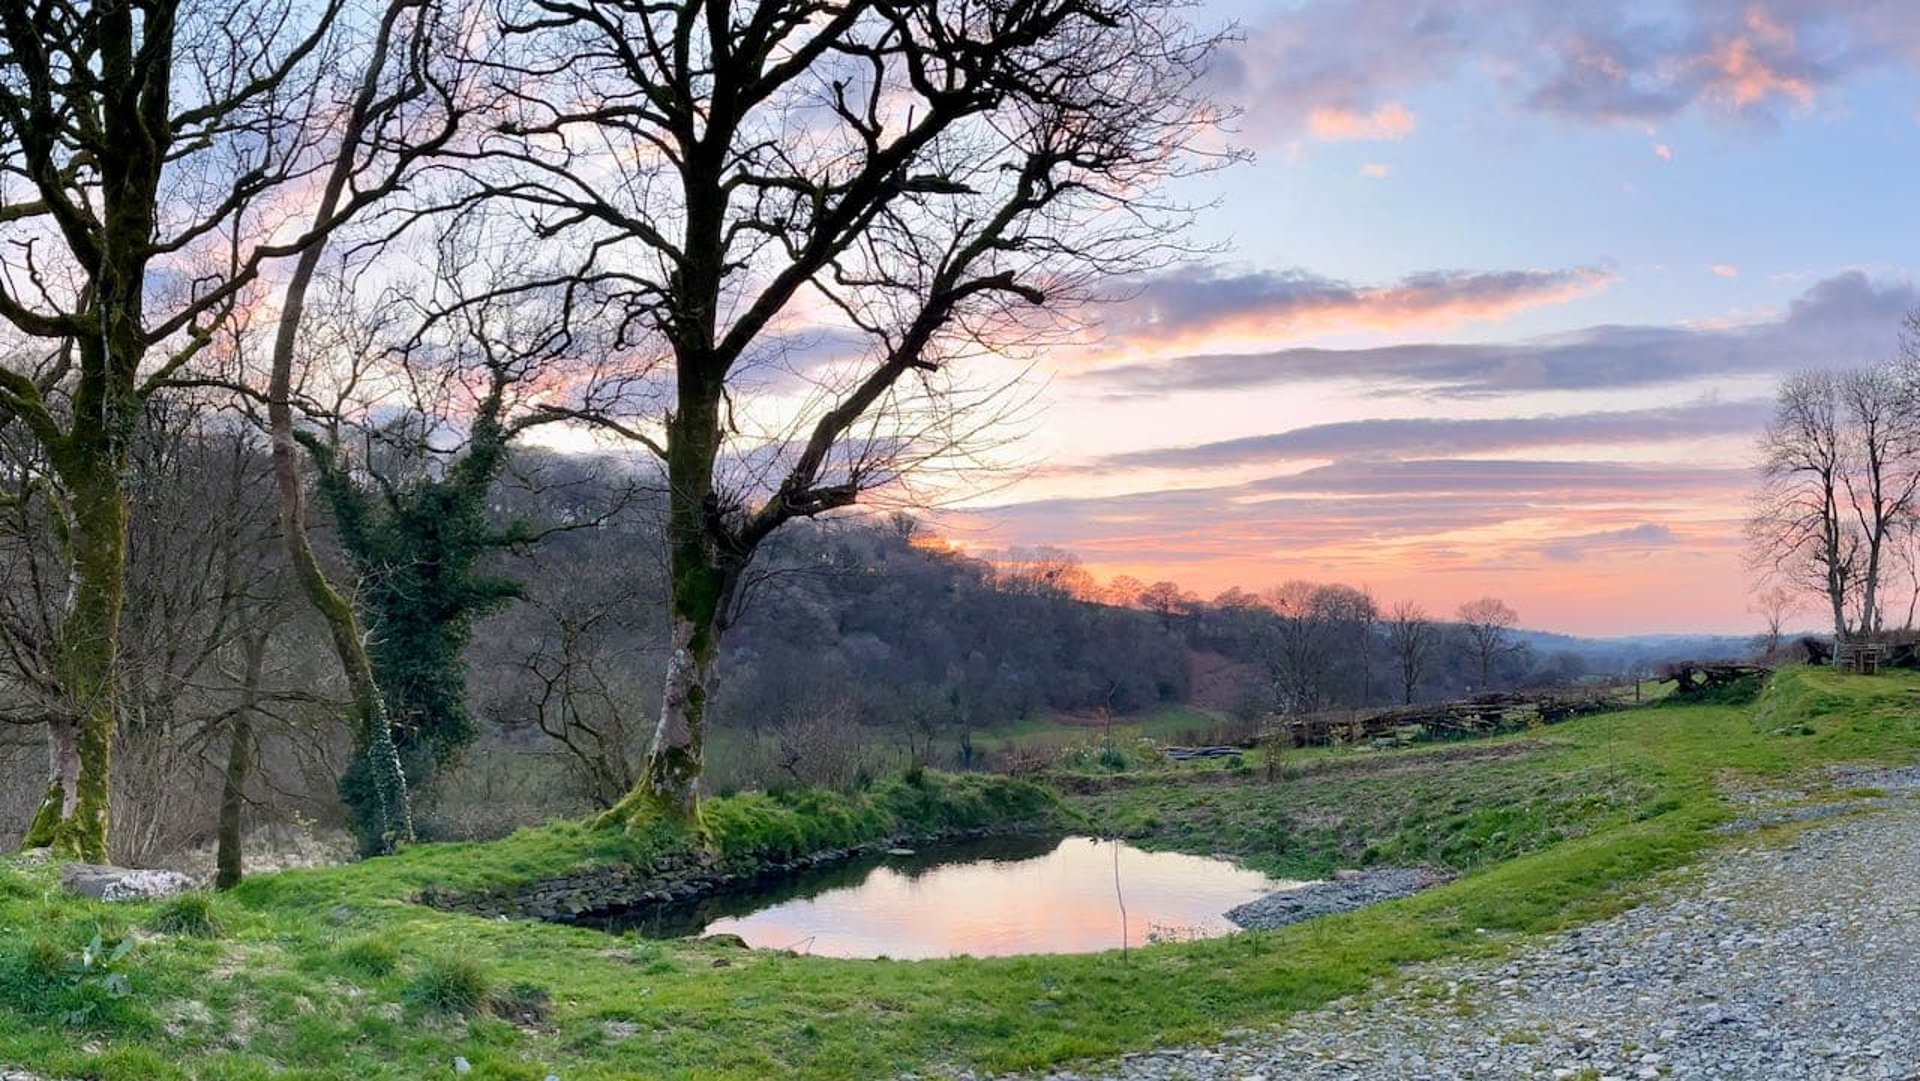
(1692, 678)
(1195, 754)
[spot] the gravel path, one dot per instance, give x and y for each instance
(1775, 964)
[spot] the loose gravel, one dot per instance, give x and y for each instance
(1774, 963)
(1343, 894)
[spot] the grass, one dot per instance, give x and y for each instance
(320, 974)
(449, 985)
(193, 914)
(1051, 733)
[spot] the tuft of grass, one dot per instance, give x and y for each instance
(369, 957)
(450, 985)
(193, 915)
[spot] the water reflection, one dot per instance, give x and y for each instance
(991, 898)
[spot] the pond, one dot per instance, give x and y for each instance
(992, 897)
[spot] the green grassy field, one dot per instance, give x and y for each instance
(331, 974)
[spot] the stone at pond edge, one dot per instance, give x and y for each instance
(1345, 893)
(730, 941)
(104, 883)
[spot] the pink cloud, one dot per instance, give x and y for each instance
(1374, 171)
(1725, 270)
(1747, 68)
(1389, 123)
(1202, 306)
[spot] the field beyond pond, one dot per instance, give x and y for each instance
(335, 974)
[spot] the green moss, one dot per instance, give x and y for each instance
(46, 821)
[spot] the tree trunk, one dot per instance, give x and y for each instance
(703, 576)
(675, 758)
(73, 818)
(229, 861)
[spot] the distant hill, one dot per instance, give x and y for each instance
(1629, 652)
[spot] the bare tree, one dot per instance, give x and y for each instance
(1310, 622)
(201, 590)
(1774, 605)
(134, 138)
(1488, 623)
(1882, 411)
(919, 184)
(1413, 638)
(405, 107)
(1166, 600)
(1800, 529)
(1840, 468)
(1363, 615)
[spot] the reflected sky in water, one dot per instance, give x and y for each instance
(1061, 900)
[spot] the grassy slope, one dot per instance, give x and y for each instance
(1041, 732)
(311, 975)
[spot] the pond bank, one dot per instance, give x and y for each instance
(744, 840)
(612, 895)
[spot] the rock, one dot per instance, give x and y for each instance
(901, 852)
(730, 941)
(1349, 890)
(462, 1066)
(104, 883)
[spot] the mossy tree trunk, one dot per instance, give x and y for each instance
(90, 460)
(704, 568)
(88, 646)
(229, 846)
(389, 821)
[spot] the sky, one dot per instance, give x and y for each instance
(1498, 308)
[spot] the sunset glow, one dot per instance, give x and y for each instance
(1498, 309)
